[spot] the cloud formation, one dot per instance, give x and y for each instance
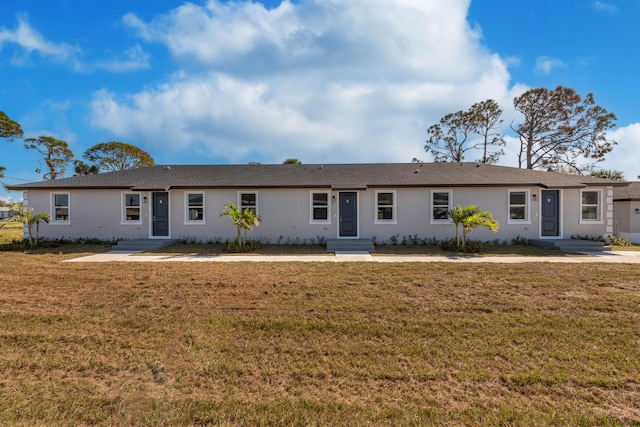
(604, 7)
(545, 65)
(30, 40)
(317, 80)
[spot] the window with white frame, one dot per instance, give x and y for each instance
(320, 207)
(194, 203)
(590, 205)
(518, 206)
(440, 206)
(385, 206)
(60, 208)
(248, 201)
(131, 208)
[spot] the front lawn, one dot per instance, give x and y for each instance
(289, 344)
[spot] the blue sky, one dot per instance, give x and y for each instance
(214, 81)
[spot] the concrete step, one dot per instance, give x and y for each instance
(141, 245)
(350, 245)
(571, 245)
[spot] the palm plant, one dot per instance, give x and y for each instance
(470, 218)
(235, 214)
(244, 219)
(27, 217)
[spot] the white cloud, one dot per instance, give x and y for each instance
(545, 64)
(317, 80)
(624, 156)
(134, 59)
(604, 7)
(30, 40)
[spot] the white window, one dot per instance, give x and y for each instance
(518, 206)
(385, 207)
(320, 207)
(590, 206)
(194, 203)
(60, 208)
(440, 206)
(248, 201)
(131, 208)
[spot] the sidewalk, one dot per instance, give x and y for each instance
(602, 257)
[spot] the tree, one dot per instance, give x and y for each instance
(470, 218)
(81, 168)
(608, 174)
(560, 129)
(448, 139)
(9, 128)
(26, 216)
(243, 219)
(486, 117)
(454, 136)
(292, 162)
(116, 156)
(56, 154)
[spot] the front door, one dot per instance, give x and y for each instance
(348, 211)
(160, 220)
(550, 218)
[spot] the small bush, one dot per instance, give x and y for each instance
(618, 241)
(471, 247)
(519, 240)
(249, 246)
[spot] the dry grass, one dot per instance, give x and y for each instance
(198, 249)
(317, 344)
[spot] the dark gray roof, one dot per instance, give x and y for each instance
(335, 176)
(626, 193)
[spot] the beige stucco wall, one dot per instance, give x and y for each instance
(285, 215)
(626, 221)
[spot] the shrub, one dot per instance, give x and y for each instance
(618, 241)
(471, 246)
(235, 248)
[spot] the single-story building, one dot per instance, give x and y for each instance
(311, 202)
(4, 212)
(626, 212)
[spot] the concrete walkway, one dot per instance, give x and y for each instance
(602, 257)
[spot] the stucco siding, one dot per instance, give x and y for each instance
(627, 221)
(287, 214)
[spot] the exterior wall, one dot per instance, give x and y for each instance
(627, 221)
(92, 214)
(571, 209)
(286, 215)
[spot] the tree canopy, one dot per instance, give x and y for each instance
(467, 131)
(114, 156)
(292, 162)
(561, 130)
(9, 128)
(57, 154)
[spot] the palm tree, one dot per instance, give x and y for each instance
(235, 214)
(470, 218)
(244, 219)
(26, 216)
(249, 220)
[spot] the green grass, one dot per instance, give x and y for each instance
(10, 231)
(317, 344)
